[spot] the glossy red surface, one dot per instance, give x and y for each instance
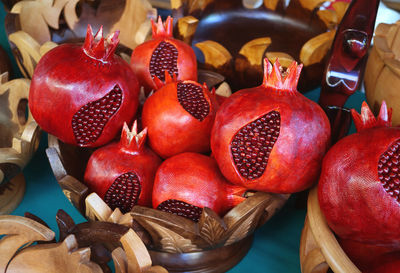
(355, 202)
(195, 179)
(349, 52)
(295, 159)
(74, 84)
(171, 128)
(130, 155)
(161, 53)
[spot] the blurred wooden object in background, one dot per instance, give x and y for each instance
(382, 74)
(19, 139)
(65, 21)
(233, 37)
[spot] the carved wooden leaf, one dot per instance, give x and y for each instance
(214, 53)
(24, 231)
(243, 219)
(254, 50)
(211, 226)
(150, 219)
(53, 257)
(173, 242)
(246, 227)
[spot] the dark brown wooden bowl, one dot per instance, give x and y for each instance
(235, 35)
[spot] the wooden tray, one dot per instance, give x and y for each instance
(319, 249)
(19, 139)
(234, 36)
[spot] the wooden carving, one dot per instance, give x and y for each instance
(382, 73)
(175, 234)
(235, 36)
(57, 21)
(76, 251)
(5, 63)
(347, 58)
(164, 233)
(19, 139)
(319, 249)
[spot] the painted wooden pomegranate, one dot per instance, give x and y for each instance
(188, 182)
(122, 173)
(359, 186)
(271, 138)
(163, 53)
(179, 117)
(83, 94)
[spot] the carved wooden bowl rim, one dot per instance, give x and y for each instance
(253, 212)
(316, 229)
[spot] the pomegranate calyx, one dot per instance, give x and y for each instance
(98, 47)
(162, 30)
(366, 118)
(130, 139)
(168, 79)
(281, 81)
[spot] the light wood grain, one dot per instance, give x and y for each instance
(255, 49)
(319, 244)
(382, 72)
(134, 24)
(314, 50)
(284, 59)
(19, 139)
(12, 194)
(187, 27)
(214, 53)
(271, 4)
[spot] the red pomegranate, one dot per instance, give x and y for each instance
(364, 256)
(163, 53)
(188, 182)
(83, 94)
(179, 117)
(122, 173)
(359, 184)
(389, 263)
(271, 138)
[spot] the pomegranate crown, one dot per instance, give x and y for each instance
(98, 47)
(130, 139)
(367, 120)
(160, 29)
(168, 79)
(273, 77)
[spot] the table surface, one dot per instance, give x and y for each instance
(276, 244)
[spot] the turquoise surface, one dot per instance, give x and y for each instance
(276, 244)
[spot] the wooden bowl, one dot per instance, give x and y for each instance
(214, 244)
(66, 22)
(233, 37)
(19, 139)
(382, 73)
(319, 249)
